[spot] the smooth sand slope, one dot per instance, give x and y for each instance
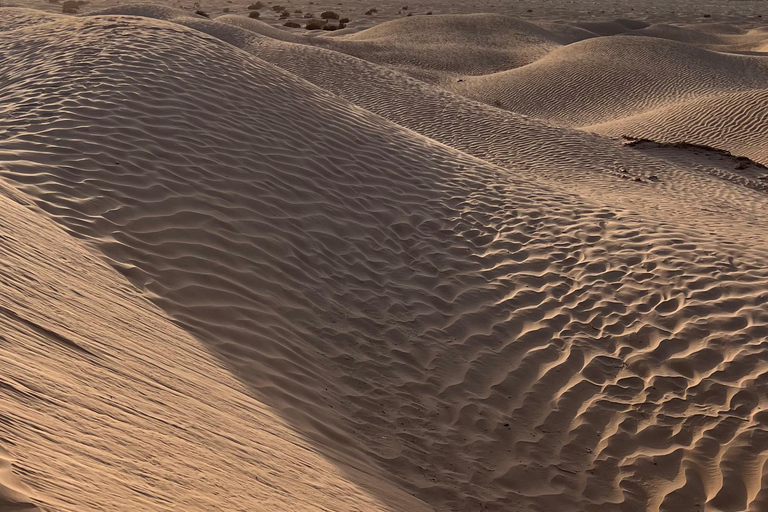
(395, 300)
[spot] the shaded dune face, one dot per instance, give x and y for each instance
(486, 341)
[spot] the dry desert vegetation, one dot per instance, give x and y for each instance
(351, 257)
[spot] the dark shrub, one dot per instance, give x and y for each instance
(309, 15)
(278, 8)
(405, 7)
(226, 9)
(297, 11)
(69, 7)
(284, 15)
(291, 24)
(254, 14)
(202, 13)
(344, 20)
(329, 15)
(370, 12)
(429, 13)
(410, 14)
(256, 6)
(314, 25)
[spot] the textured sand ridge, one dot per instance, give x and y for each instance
(334, 294)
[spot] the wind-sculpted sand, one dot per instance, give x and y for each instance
(250, 270)
(107, 405)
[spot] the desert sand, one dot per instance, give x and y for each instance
(506, 256)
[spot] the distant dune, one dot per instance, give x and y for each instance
(409, 267)
(606, 78)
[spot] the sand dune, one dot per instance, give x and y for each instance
(651, 88)
(14, 495)
(606, 78)
(372, 288)
(18, 18)
(735, 122)
(107, 405)
(474, 128)
(424, 46)
(611, 28)
(468, 45)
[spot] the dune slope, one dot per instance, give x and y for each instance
(107, 405)
(461, 44)
(607, 78)
(735, 122)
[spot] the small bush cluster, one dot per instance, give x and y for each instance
(328, 26)
(371, 12)
(291, 24)
(202, 13)
(344, 20)
(309, 15)
(278, 8)
(254, 14)
(329, 15)
(314, 25)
